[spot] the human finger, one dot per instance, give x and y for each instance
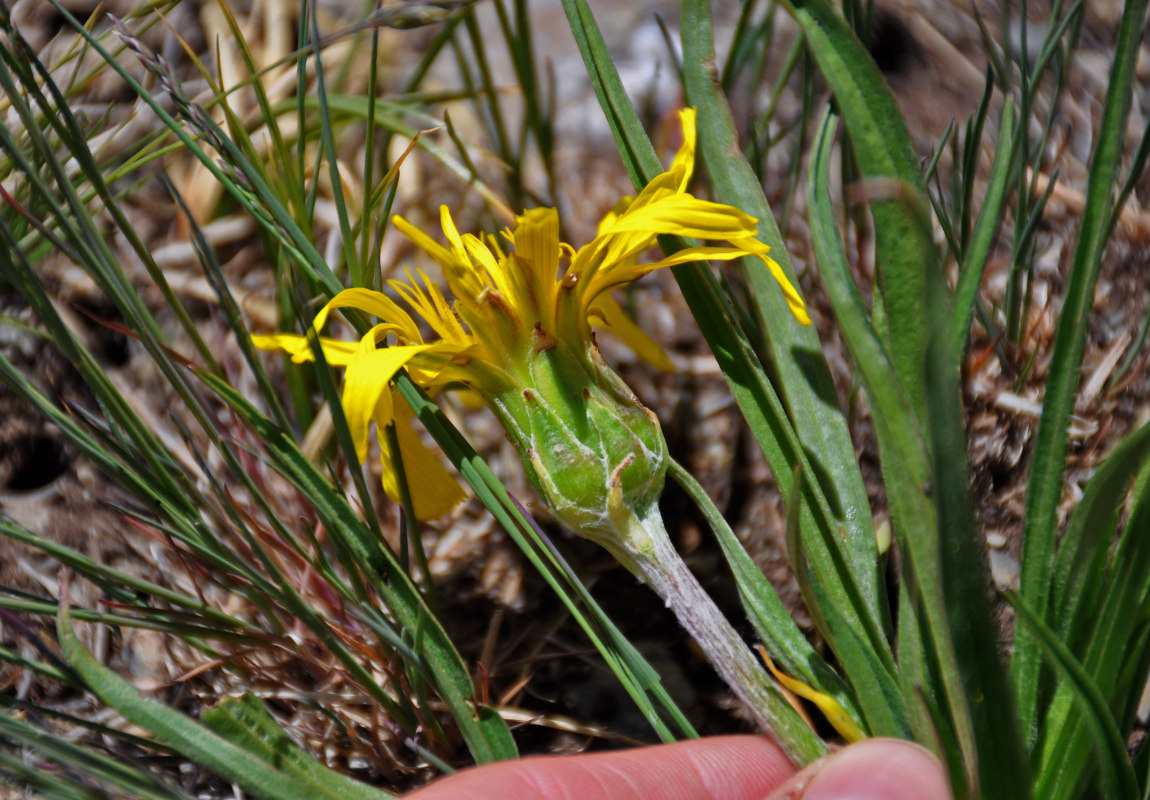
(716, 768)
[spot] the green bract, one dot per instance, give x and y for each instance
(593, 452)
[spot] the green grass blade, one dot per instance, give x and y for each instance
(1051, 442)
(446, 669)
(638, 155)
(982, 236)
(74, 760)
(114, 581)
(356, 267)
(228, 306)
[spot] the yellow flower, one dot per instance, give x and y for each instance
(519, 334)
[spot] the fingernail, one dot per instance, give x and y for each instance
(877, 769)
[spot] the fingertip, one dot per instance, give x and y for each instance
(875, 769)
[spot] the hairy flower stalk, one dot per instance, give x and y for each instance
(519, 334)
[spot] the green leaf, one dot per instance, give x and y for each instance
(785, 643)
(1080, 566)
(795, 353)
(1111, 640)
(876, 688)
(495, 729)
(999, 748)
(962, 648)
(891, 179)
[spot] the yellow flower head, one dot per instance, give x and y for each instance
(519, 334)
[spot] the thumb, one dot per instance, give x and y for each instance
(874, 769)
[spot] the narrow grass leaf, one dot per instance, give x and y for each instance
(446, 670)
(73, 761)
(982, 235)
(114, 581)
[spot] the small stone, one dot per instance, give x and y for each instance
(1003, 570)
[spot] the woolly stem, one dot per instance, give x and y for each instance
(662, 568)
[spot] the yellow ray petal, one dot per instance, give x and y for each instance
(607, 314)
(685, 215)
(685, 158)
(429, 303)
(441, 254)
(630, 270)
(794, 299)
(614, 214)
(374, 303)
(433, 490)
(537, 249)
(489, 269)
(337, 352)
(366, 381)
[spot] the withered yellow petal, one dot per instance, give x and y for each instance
(835, 714)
